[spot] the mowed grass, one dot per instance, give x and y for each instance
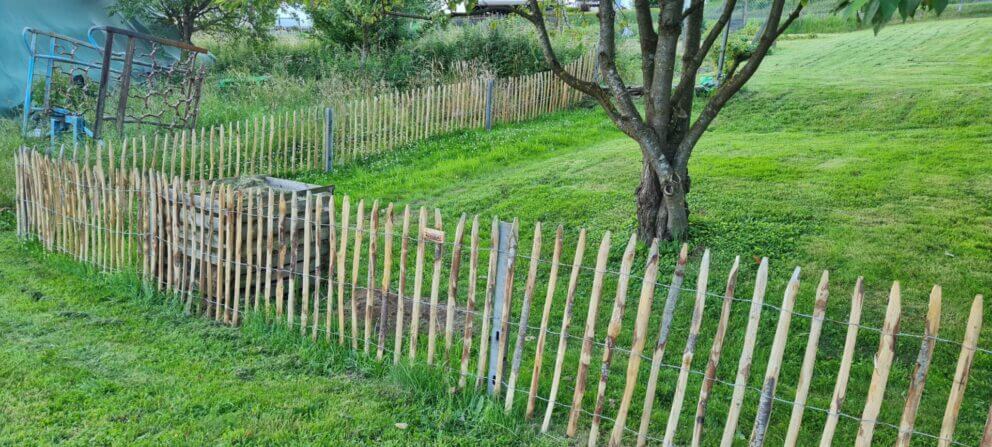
(94, 359)
(862, 155)
(870, 161)
(859, 154)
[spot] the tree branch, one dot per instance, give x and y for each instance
(737, 81)
(407, 15)
(788, 21)
(608, 61)
(648, 39)
(687, 83)
(623, 113)
(682, 100)
(695, 5)
(669, 29)
(536, 18)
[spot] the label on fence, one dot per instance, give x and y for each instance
(433, 235)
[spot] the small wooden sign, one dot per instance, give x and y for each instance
(433, 235)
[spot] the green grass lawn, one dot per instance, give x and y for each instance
(93, 359)
(858, 154)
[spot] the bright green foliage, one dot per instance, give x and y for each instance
(502, 48)
(878, 13)
(366, 24)
(243, 19)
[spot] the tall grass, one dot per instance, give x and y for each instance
(10, 140)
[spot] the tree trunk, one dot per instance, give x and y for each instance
(662, 210)
(186, 28)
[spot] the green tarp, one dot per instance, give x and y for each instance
(72, 18)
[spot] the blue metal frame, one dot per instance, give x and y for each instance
(27, 89)
(124, 67)
(30, 37)
(62, 120)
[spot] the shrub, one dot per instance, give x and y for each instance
(502, 47)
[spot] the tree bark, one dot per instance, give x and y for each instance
(666, 133)
(648, 194)
(662, 209)
(186, 28)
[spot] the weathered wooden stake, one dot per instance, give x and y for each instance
(709, 377)
(764, 412)
(919, 377)
(370, 280)
(585, 357)
(542, 335)
(473, 279)
(418, 282)
(387, 269)
(809, 358)
(612, 331)
(485, 336)
(690, 349)
(518, 350)
(674, 290)
(961, 373)
(880, 375)
(436, 236)
(456, 261)
(844, 372)
(401, 287)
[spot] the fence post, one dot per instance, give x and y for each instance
(328, 139)
(499, 293)
(489, 112)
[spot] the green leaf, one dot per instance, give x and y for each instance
(870, 10)
(907, 8)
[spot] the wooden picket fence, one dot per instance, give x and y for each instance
(341, 272)
(297, 141)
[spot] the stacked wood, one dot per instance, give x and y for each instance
(215, 221)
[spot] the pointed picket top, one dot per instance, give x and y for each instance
(763, 415)
(962, 373)
(919, 377)
(847, 358)
(883, 364)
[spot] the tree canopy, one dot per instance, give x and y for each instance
(241, 18)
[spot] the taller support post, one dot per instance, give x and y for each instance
(499, 298)
(489, 105)
(328, 139)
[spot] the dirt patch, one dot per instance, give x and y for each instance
(391, 311)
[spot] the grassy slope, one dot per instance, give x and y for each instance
(858, 154)
(90, 360)
(865, 155)
(880, 171)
